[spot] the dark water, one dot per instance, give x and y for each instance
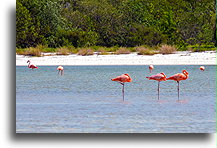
(85, 100)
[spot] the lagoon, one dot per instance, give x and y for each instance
(85, 100)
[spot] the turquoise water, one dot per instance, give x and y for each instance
(85, 100)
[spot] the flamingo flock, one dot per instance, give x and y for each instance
(122, 79)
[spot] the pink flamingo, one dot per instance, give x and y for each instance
(202, 68)
(178, 77)
(158, 77)
(151, 67)
(60, 70)
(31, 65)
(122, 79)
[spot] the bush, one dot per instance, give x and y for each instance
(20, 51)
(63, 51)
(49, 50)
(145, 51)
(200, 48)
(32, 52)
(167, 49)
(85, 52)
(123, 50)
(102, 51)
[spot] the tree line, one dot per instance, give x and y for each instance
(122, 23)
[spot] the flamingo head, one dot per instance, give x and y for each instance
(202, 68)
(165, 77)
(185, 72)
(129, 80)
(28, 61)
(151, 67)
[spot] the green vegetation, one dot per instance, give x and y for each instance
(118, 26)
(31, 51)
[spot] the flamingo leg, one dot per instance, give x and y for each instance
(61, 72)
(158, 89)
(123, 91)
(178, 89)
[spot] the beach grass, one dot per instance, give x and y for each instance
(100, 50)
(145, 51)
(63, 51)
(85, 51)
(31, 51)
(167, 49)
(123, 50)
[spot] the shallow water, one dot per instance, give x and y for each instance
(85, 100)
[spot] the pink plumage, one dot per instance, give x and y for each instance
(151, 67)
(158, 77)
(31, 65)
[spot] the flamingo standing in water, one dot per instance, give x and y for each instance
(31, 65)
(202, 68)
(178, 77)
(60, 70)
(122, 79)
(158, 77)
(151, 67)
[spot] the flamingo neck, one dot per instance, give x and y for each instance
(186, 74)
(28, 64)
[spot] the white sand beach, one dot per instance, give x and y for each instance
(179, 58)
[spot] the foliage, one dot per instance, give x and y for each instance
(199, 48)
(115, 23)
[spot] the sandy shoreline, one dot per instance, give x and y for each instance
(179, 58)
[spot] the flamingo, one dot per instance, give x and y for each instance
(60, 70)
(178, 77)
(158, 77)
(31, 65)
(151, 67)
(202, 68)
(122, 79)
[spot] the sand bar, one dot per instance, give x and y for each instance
(179, 58)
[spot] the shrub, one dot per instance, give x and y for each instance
(49, 49)
(102, 51)
(145, 51)
(123, 50)
(32, 52)
(20, 51)
(167, 49)
(63, 51)
(85, 52)
(200, 48)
